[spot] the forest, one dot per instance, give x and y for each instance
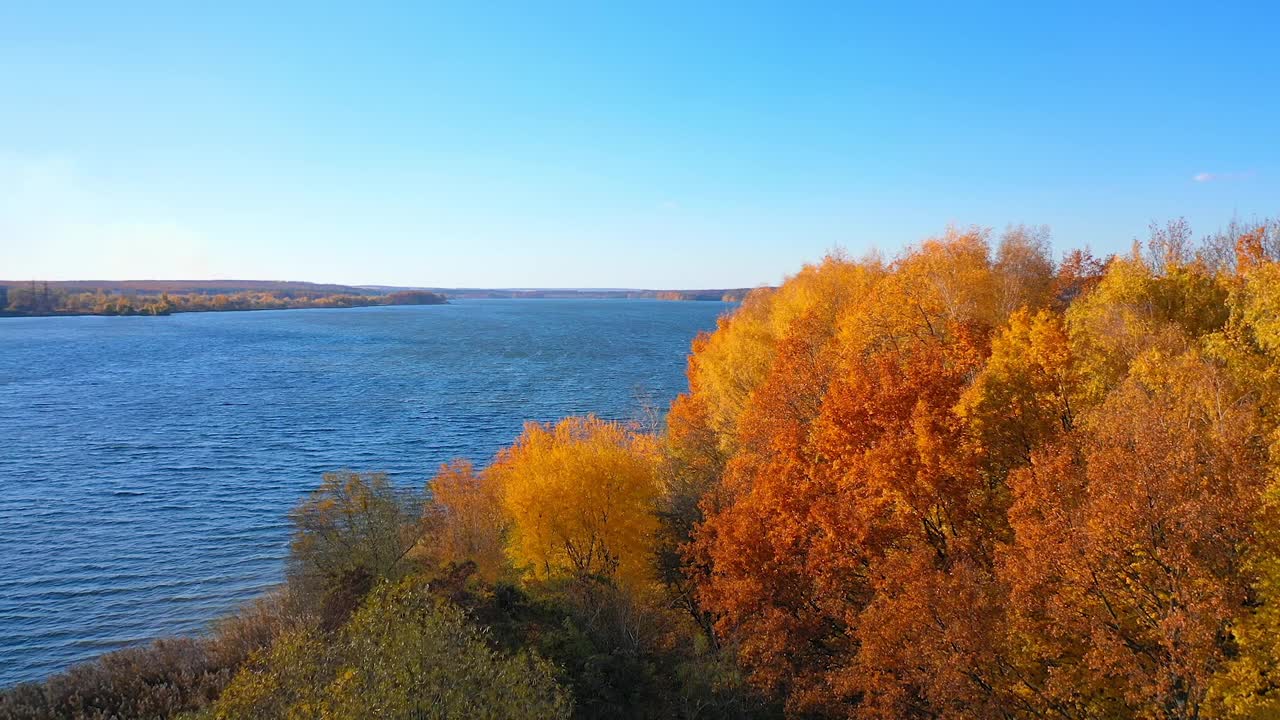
(976, 480)
(39, 299)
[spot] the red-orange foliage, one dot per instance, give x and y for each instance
(1250, 252)
(1127, 563)
(855, 492)
(941, 498)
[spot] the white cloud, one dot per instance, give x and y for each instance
(1205, 177)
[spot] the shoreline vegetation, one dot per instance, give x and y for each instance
(973, 481)
(166, 297)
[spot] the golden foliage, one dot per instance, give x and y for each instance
(466, 519)
(581, 497)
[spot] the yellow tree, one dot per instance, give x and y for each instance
(581, 497)
(1249, 686)
(1027, 392)
(1165, 302)
(1115, 322)
(733, 360)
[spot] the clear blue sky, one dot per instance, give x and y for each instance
(660, 145)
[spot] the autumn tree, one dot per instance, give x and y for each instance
(1247, 687)
(851, 494)
(1127, 562)
(690, 470)
(1136, 307)
(1078, 273)
(987, 488)
(581, 496)
(732, 362)
(1027, 393)
(465, 519)
(351, 531)
(1221, 250)
(1024, 269)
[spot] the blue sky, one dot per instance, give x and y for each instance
(570, 145)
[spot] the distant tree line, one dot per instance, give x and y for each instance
(43, 299)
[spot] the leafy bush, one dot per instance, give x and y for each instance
(404, 654)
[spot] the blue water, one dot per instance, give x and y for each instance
(147, 464)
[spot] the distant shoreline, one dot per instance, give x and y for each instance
(12, 314)
(71, 299)
(585, 296)
(74, 298)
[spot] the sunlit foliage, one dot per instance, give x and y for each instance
(580, 497)
(465, 519)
